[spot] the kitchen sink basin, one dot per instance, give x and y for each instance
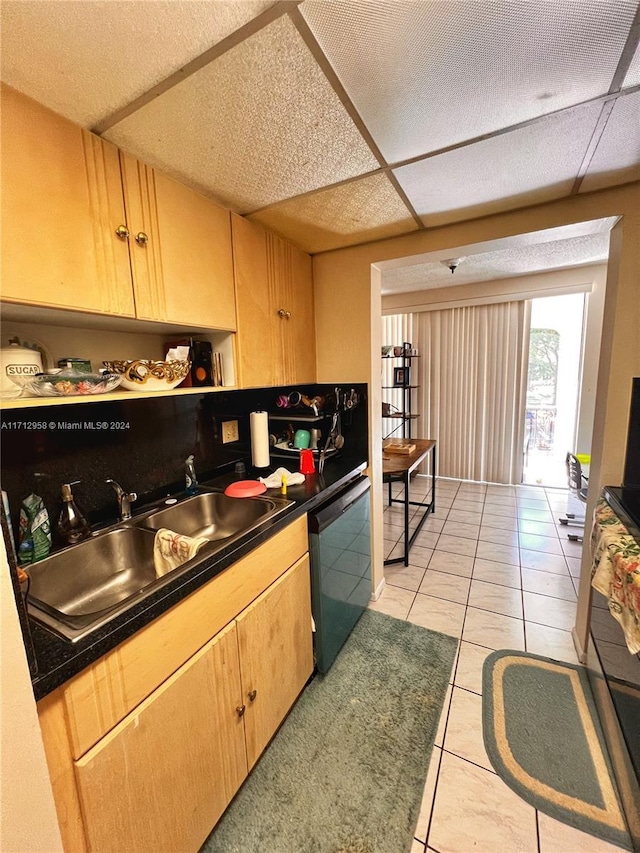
(93, 576)
(78, 590)
(213, 515)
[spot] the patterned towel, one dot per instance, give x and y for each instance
(171, 550)
(616, 571)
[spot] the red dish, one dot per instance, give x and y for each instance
(245, 489)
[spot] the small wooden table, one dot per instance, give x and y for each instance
(398, 467)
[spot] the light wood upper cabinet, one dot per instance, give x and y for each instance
(180, 244)
(161, 780)
(65, 195)
(61, 201)
(300, 330)
(274, 298)
(259, 340)
(276, 656)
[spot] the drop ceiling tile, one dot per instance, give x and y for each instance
(87, 58)
(504, 263)
(363, 210)
(632, 77)
(425, 75)
(617, 157)
(527, 166)
(257, 125)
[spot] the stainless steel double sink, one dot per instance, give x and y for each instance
(80, 589)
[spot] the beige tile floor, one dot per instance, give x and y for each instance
(492, 568)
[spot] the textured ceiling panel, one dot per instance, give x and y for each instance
(368, 209)
(526, 166)
(506, 263)
(633, 74)
(257, 125)
(617, 157)
(261, 123)
(87, 58)
(425, 75)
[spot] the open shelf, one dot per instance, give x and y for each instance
(112, 396)
(402, 385)
(57, 334)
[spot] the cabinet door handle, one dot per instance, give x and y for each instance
(141, 238)
(284, 314)
(241, 709)
(252, 695)
(122, 231)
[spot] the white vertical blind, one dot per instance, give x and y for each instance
(471, 387)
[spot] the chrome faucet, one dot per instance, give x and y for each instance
(125, 499)
(191, 481)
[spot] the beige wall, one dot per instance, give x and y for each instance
(348, 313)
(29, 822)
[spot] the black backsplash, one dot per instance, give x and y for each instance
(142, 443)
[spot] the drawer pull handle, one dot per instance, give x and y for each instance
(252, 695)
(284, 314)
(241, 709)
(122, 231)
(141, 238)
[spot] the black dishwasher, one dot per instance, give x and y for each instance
(340, 549)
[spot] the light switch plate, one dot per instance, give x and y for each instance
(229, 431)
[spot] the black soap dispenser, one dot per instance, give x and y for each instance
(72, 526)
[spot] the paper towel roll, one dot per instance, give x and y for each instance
(259, 423)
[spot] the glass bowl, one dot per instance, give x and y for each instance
(65, 383)
(146, 375)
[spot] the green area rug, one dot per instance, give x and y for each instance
(346, 771)
(542, 734)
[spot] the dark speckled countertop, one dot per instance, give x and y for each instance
(59, 659)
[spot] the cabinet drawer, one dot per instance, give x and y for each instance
(104, 693)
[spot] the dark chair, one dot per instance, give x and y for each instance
(577, 486)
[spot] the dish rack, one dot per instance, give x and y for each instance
(299, 417)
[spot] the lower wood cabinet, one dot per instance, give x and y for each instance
(164, 776)
(276, 657)
(161, 778)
